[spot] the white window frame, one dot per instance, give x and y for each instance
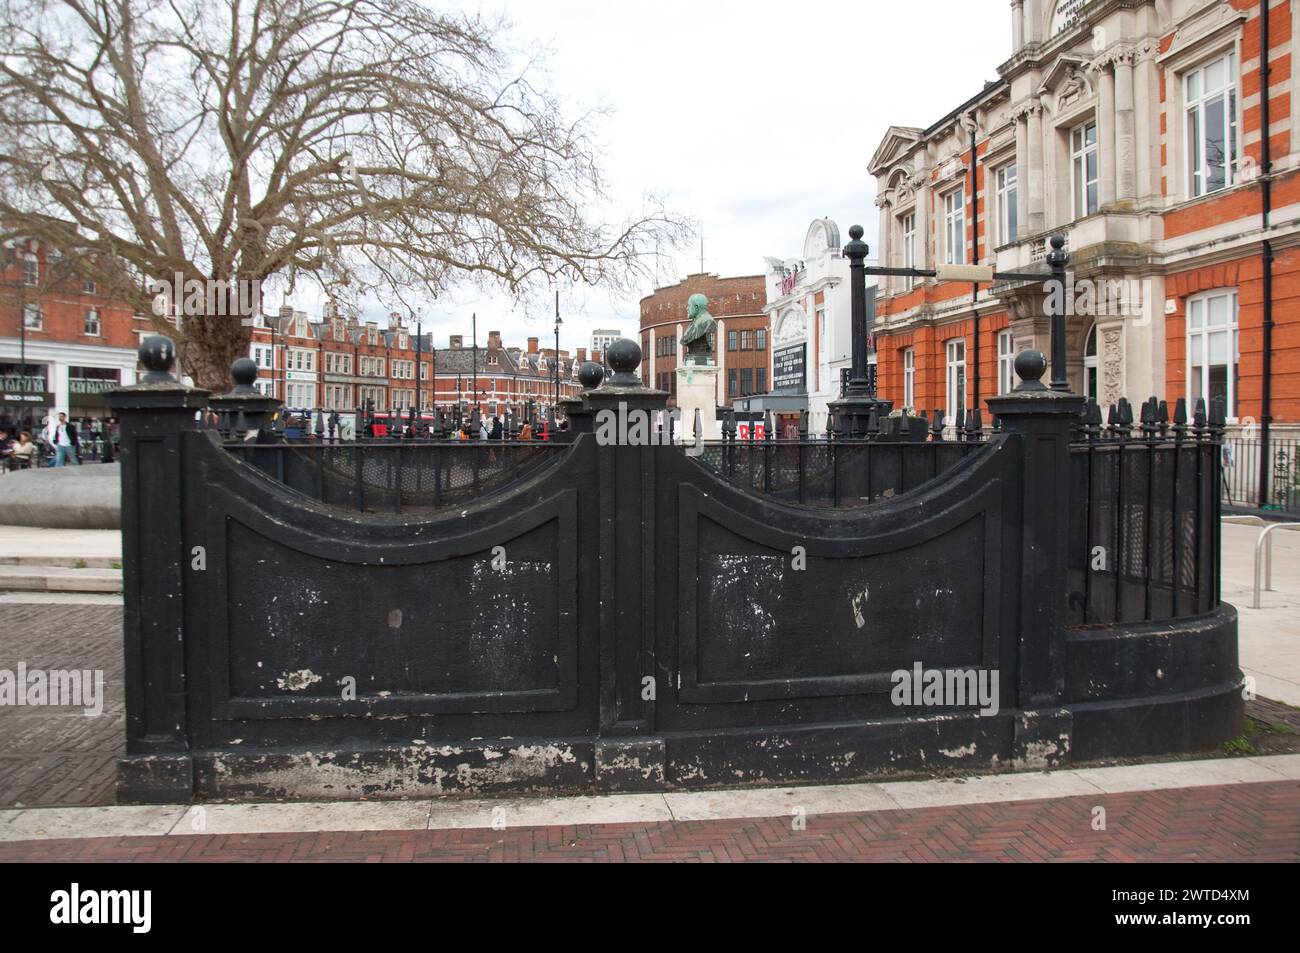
(1006, 180)
(86, 323)
(1194, 108)
(1092, 364)
(954, 351)
(31, 270)
(33, 310)
(1006, 362)
(1079, 182)
(908, 225)
(909, 378)
(954, 227)
(1198, 306)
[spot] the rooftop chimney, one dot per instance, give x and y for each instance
(494, 340)
(582, 355)
(532, 345)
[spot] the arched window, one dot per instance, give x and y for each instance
(1212, 348)
(1090, 367)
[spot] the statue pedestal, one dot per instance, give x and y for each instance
(697, 389)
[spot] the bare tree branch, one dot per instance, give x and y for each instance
(374, 142)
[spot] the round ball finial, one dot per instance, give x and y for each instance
(244, 373)
(624, 356)
(1030, 366)
(590, 374)
(1058, 242)
(856, 232)
(158, 355)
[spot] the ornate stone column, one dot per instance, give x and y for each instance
(1125, 157)
(1022, 166)
(1036, 178)
(887, 225)
(1105, 133)
(1146, 103)
(1017, 24)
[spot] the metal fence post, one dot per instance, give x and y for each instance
(1042, 418)
(156, 415)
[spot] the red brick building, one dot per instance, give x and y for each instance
(63, 343)
(339, 363)
(741, 344)
(1137, 130)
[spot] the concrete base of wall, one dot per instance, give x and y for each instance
(81, 497)
(1164, 708)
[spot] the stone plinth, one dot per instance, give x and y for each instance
(697, 389)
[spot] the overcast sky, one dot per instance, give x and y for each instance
(752, 118)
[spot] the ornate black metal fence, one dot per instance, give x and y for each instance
(1144, 513)
(843, 474)
(623, 617)
(406, 478)
(1241, 472)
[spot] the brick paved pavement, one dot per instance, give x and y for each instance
(58, 756)
(1234, 823)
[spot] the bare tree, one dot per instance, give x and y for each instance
(363, 143)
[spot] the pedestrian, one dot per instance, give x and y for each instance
(63, 436)
(525, 432)
(482, 430)
(496, 429)
(23, 453)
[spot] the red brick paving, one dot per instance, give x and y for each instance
(1233, 823)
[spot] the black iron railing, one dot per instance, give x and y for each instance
(399, 476)
(1144, 514)
(1241, 472)
(897, 456)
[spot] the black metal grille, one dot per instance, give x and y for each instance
(842, 473)
(1241, 473)
(1144, 514)
(409, 478)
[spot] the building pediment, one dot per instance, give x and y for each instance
(1212, 20)
(897, 141)
(1068, 74)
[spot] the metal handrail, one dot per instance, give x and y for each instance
(1263, 547)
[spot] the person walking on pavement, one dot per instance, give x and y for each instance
(497, 429)
(63, 436)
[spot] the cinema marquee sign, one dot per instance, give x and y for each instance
(789, 369)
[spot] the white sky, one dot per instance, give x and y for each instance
(751, 118)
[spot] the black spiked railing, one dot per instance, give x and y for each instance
(1145, 508)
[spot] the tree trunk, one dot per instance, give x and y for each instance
(210, 346)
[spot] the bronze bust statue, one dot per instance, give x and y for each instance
(698, 350)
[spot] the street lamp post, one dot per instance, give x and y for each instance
(558, 321)
(418, 409)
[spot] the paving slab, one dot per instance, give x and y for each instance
(58, 822)
(542, 812)
(779, 802)
(278, 818)
(988, 789)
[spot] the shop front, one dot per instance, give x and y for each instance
(25, 397)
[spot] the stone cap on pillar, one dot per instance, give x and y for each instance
(158, 388)
(1031, 395)
(624, 357)
(245, 408)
